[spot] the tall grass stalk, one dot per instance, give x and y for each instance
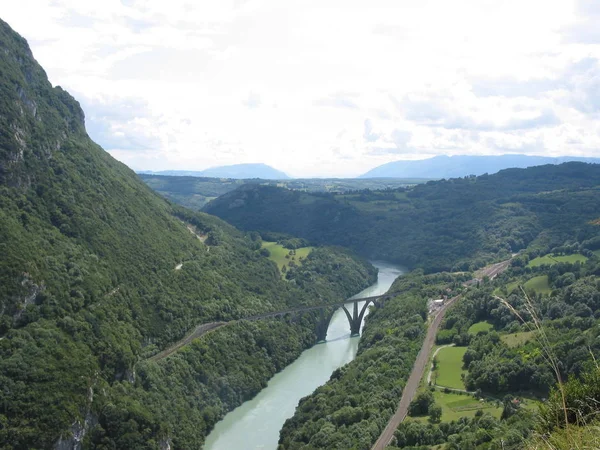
(542, 340)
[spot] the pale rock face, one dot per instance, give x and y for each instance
(29, 104)
(78, 432)
(165, 444)
(33, 291)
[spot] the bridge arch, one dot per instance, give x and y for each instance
(327, 310)
(355, 319)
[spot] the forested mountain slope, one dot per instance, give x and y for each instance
(451, 224)
(97, 273)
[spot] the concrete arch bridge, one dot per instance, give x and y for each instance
(354, 319)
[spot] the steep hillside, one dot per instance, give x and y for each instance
(98, 273)
(450, 224)
(464, 165)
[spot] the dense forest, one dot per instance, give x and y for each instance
(518, 338)
(456, 224)
(98, 273)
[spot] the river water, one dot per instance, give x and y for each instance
(256, 423)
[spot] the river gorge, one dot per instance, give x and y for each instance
(256, 423)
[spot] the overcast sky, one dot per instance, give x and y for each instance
(322, 88)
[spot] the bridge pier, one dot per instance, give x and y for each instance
(323, 325)
(356, 318)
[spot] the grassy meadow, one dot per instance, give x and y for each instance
(278, 254)
(480, 326)
(516, 339)
(456, 405)
(449, 362)
(549, 260)
(539, 285)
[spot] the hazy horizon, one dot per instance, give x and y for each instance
(185, 172)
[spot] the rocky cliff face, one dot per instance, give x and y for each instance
(36, 118)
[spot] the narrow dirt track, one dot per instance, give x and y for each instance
(199, 331)
(415, 377)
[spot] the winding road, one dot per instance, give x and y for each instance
(433, 358)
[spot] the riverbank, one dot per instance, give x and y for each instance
(256, 424)
(352, 409)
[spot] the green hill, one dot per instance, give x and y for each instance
(98, 273)
(455, 224)
(195, 192)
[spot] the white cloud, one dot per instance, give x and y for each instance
(253, 101)
(369, 135)
(321, 89)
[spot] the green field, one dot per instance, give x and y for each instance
(510, 287)
(455, 406)
(480, 326)
(552, 259)
(278, 254)
(449, 367)
(516, 339)
(538, 284)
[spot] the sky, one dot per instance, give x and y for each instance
(322, 88)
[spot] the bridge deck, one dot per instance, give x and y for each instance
(315, 307)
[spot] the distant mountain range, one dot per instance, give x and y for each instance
(460, 166)
(237, 171)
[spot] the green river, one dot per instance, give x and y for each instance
(256, 423)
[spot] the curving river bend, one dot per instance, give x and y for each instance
(256, 423)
